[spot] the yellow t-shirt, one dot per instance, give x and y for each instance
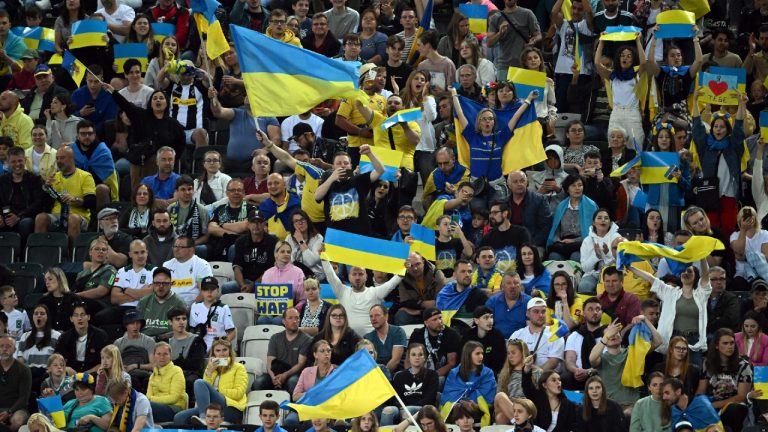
(576, 312)
(312, 176)
(347, 110)
(78, 185)
(381, 138)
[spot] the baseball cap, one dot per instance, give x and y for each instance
(132, 316)
(30, 53)
(759, 285)
(255, 216)
(209, 283)
(107, 212)
(42, 69)
(429, 313)
(536, 302)
(300, 129)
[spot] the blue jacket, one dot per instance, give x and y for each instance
(676, 192)
(587, 209)
(732, 153)
(106, 108)
(540, 282)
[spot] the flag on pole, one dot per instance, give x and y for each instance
(75, 67)
(204, 12)
(413, 55)
(477, 15)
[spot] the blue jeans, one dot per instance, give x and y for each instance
(230, 287)
(390, 415)
(403, 318)
(264, 382)
(267, 319)
(205, 395)
(162, 413)
(575, 256)
(588, 284)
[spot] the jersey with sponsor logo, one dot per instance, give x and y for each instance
(186, 277)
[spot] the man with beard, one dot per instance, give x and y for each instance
(160, 239)
(493, 342)
(611, 16)
(97, 160)
(418, 289)
(15, 124)
(445, 178)
(188, 217)
(442, 342)
(678, 406)
(277, 209)
(504, 238)
(75, 193)
(388, 340)
(156, 307)
(15, 386)
(228, 222)
(81, 346)
(580, 343)
(187, 270)
(459, 295)
(21, 193)
(254, 254)
(119, 242)
(344, 193)
(536, 335)
(164, 182)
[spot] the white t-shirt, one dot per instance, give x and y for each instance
(567, 44)
(36, 158)
(122, 14)
(546, 350)
(754, 244)
(286, 129)
(187, 275)
(573, 343)
(130, 279)
(18, 323)
(139, 98)
(221, 320)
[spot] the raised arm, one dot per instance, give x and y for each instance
(366, 112)
(603, 71)
(557, 15)
(524, 106)
(217, 110)
(743, 99)
(642, 274)
(457, 107)
(641, 53)
(378, 168)
(652, 67)
(282, 155)
(704, 280)
(698, 56)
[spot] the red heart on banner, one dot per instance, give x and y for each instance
(718, 88)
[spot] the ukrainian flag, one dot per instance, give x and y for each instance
(402, 116)
(86, 33)
(521, 151)
(327, 294)
(204, 12)
(423, 241)
(624, 169)
(526, 81)
(53, 408)
(127, 51)
(480, 389)
(75, 67)
(699, 413)
(760, 380)
(558, 329)
(426, 20)
(639, 345)
(579, 51)
(620, 33)
(449, 301)
(477, 15)
(695, 249)
(657, 167)
(163, 30)
(391, 159)
(366, 252)
(37, 38)
(56, 59)
(282, 79)
(101, 165)
(353, 389)
(675, 24)
(764, 125)
(698, 7)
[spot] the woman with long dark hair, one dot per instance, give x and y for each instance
(141, 32)
(555, 412)
(339, 335)
(472, 54)
(678, 365)
(534, 276)
(727, 379)
(564, 240)
(60, 123)
(652, 228)
(751, 341)
(37, 345)
(674, 80)
(373, 43)
(599, 413)
(595, 251)
(575, 149)
(456, 33)
(470, 383)
(72, 11)
(305, 242)
(211, 185)
(417, 94)
(417, 386)
(136, 221)
(563, 302)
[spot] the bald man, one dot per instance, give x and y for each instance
(13, 122)
(528, 208)
(74, 193)
(277, 209)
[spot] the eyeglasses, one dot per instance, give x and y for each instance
(162, 284)
(238, 190)
(405, 218)
(681, 348)
(487, 119)
(87, 133)
(337, 316)
(212, 161)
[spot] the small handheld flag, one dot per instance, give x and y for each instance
(74, 66)
(760, 381)
(366, 252)
(578, 50)
(557, 330)
(675, 24)
(163, 30)
(526, 81)
(620, 33)
(423, 241)
(764, 125)
(402, 116)
(86, 33)
(204, 12)
(53, 408)
(126, 51)
(389, 158)
(639, 345)
(698, 7)
(477, 15)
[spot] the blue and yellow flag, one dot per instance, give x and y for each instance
(639, 345)
(695, 249)
(657, 167)
(402, 116)
(578, 51)
(675, 24)
(53, 408)
(764, 125)
(86, 33)
(620, 33)
(698, 7)
(699, 413)
(449, 301)
(366, 252)
(480, 389)
(75, 67)
(204, 12)
(477, 15)
(624, 169)
(523, 150)
(414, 57)
(283, 80)
(56, 59)
(37, 38)
(760, 380)
(558, 329)
(391, 159)
(353, 389)
(327, 294)
(527, 80)
(423, 241)
(127, 51)
(163, 30)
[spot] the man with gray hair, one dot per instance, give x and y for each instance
(528, 208)
(723, 307)
(163, 184)
(468, 86)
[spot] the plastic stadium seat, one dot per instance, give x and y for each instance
(25, 278)
(81, 246)
(243, 307)
(10, 247)
(409, 328)
(223, 271)
(256, 340)
(47, 249)
(256, 397)
(254, 366)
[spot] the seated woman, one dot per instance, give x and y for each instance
(312, 310)
(510, 382)
(470, 383)
(136, 221)
(95, 281)
(751, 342)
(417, 377)
(37, 345)
(321, 351)
(428, 418)
(166, 389)
(563, 302)
(534, 276)
(87, 410)
(338, 334)
(601, 414)
(596, 250)
(678, 365)
(555, 412)
(58, 299)
(571, 221)
(210, 186)
(305, 242)
(111, 369)
(224, 382)
(748, 244)
(132, 411)
(283, 272)
(365, 423)
(60, 124)
(58, 383)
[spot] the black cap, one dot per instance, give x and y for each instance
(429, 313)
(759, 285)
(254, 215)
(300, 129)
(209, 283)
(133, 315)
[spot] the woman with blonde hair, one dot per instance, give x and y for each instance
(509, 385)
(58, 299)
(111, 369)
(312, 310)
(167, 389)
(94, 283)
(524, 413)
(39, 423)
(750, 246)
(156, 69)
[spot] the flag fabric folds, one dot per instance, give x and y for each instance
(449, 301)
(282, 79)
(53, 408)
(87, 33)
(699, 413)
(675, 24)
(657, 166)
(764, 125)
(527, 80)
(521, 151)
(624, 169)
(477, 15)
(366, 252)
(695, 249)
(760, 380)
(402, 116)
(578, 51)
(353, 389)
(127, 51)
(37, 38)
(204, 12)
(423, 241)
(480, 389)
(639, 345)
(557, 329)
(163, 30)
(391, 159)
(620, 33)
(101, 165)
(426, 20)
(75, 67)
(698, 7)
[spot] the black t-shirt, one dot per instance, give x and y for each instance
(673, 89)
(255, 258)
(121, 242)
(345, 204)
(446, 342)
(447, 253)
(506, 244)
(400, 73)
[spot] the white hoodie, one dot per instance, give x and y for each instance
(591, 264)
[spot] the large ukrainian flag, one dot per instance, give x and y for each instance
(695, 249)
(53, 408)
(204, 12)
(639, 345)
(366, 252)
(283, 79)
(355, 388)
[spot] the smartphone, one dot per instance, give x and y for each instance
(222, 362)
(670, 172)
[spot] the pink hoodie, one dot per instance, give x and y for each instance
(288, 273)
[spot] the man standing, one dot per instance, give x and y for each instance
(616, 302)
(15, 386)
(505, 238)
(161, 237)
(254, 254)
(164, 182)
(228, 222)
(21, 192)
(581, 22)
(409, 23)
(440, 68)
(720, 54)
(418, 289)
(187, 270)
(514, 28)
(93, 102)
(156, 306)
(468, 86)
(249, 14)
(342, 20)
(442, 342)
(277, 209)
(581, 341)
(388, 340)
(351, 120)
(167, 11)
(13, 122)
(278, 30)
(321, 40)
(536, 335)
(286, 355)
(528, 209)
(509, 306)
(612, 16)
(81, 346)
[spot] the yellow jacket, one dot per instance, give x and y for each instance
(232, 384)
(47, 161)
(167, 386)
(18, 126)
(288, 37)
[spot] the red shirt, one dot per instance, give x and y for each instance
(22, 80)
(253, 186)
(176, 16)
(626, 307)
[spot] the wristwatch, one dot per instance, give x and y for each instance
(301, 242)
